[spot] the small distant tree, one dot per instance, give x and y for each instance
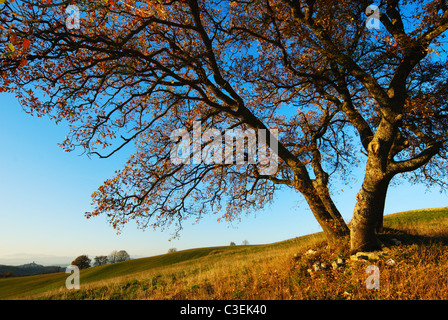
(171, 250)
(122, 255)
(245, 243)
(118, 256)
(232, 243)
(100, 260)
(112, 257)
(82, 262)
(6, 274)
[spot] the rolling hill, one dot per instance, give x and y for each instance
(416, 242)
(27, 270)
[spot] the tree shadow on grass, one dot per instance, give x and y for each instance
(391, 236)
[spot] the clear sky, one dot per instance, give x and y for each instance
(45, 191)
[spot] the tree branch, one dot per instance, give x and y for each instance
(416, 162)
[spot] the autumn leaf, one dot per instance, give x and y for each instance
(26, 43)
(12, 50)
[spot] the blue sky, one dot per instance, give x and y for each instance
(45, 191)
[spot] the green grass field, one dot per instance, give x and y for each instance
(271, 271)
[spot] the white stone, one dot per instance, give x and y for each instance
(364, 256)
(390, 262)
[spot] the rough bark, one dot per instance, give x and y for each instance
(369, 208)
(368, 216)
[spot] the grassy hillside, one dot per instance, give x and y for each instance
(415, 241)
(177, 264)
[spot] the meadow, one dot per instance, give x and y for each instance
(412, 265)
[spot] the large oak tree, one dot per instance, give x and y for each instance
(338, 93)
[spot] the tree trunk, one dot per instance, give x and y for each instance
(341, 226)
(331, 221)
(368, 213)
(369, 208)
(323, 208)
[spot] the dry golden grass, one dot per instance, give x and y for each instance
(281, 271)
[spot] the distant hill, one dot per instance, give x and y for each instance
(28, 269)
(31, 265)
